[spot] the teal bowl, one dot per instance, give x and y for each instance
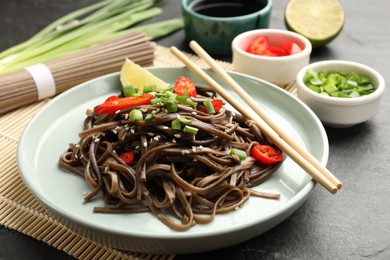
(213, 24)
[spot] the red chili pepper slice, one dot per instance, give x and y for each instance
(290, 47)
(259, 45)
(184, 84)
(275, 51)
(127, 157)
(266, 154)
(114, 103)
(217, 104)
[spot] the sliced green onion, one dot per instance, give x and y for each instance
(338, 84)
(171, 107)
(184, 120)
(156, 101)
(209, 106)
(316, 81)
(329, 88)
(190, 129)
(136, 115)
(150, 88)
(176, 124)
(150, 116)
(183, 98)
(129, 91)
(239, 153)
(166, 90)
(191, 103)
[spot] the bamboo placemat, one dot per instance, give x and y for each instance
(20, 211)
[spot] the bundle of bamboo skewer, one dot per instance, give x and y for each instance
(21, 88)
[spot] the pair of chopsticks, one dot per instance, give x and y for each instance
(270, 128)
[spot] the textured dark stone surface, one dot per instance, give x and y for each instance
(354, 223)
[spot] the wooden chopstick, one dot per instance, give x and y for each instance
(315, 173)
(248, 99)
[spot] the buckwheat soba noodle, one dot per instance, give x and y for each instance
(182, 178)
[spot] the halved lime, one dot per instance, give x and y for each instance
(318, 20)
(134, 75)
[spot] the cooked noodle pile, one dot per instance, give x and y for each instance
(181, 178)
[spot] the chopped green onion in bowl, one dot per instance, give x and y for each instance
(338, 83)
(363, 86)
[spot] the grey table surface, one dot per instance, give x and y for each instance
(354, 223)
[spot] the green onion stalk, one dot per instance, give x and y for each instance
(80, 29)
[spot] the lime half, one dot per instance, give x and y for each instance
(134, 75)
(318, 20)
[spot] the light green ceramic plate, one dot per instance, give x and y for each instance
(48, 134)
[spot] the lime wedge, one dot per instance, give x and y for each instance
(320, 21)
(134, 75)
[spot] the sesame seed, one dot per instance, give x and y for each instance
(165, 127)
(194, 113)
(151, 134)
(177, 135)
(132, 130)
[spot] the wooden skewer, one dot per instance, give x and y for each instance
(315, 173)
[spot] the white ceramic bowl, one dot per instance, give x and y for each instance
(278, 70)
(341, 112)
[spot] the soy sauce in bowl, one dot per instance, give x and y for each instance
(226, 8)
(213, 24)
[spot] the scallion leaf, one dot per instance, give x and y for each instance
(171, 107)
(150, 116)
(176, 124)
(86, 27)
(209, 106)
(136, 115)
(129, 91)
(191, 103)
(190, 129)
(149, 88)
(239, 153)
(184, 120)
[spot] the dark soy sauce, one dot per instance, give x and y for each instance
(226, 8)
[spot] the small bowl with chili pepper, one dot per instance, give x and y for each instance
(273, 55)
(341, 93)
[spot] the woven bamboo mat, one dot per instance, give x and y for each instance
(20, 211)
